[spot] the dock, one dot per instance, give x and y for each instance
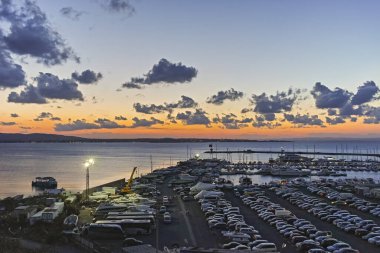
(250, 151)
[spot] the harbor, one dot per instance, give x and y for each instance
(196, 206)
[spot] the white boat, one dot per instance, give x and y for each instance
(289, 172)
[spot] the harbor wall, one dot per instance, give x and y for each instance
(116, 183)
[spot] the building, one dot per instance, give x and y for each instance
(22, 213)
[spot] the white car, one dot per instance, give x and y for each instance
(265, 247)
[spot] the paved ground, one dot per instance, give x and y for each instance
(339, 234)
(266, 231)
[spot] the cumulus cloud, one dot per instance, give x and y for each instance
(245, 110)
(281, 102)
(11, 75)
(31, 34)
(149, 109)
(163, 72)
(118, 6)
(75, 125)
(145, 122)
(303, 120)
(120, 118)
(326, 98)
(30, 95)
(185, 102)
(221, 96)
(12, 123)
(50, 86)
(373, 116)
(14, 115)
(365, 93)
(194, 118)
(348, 109)
(46, 115)
(87, 76)
(100, 123)
(261, 122)
(109, 124)
(71, 13)
(335, 121)
(230, 121)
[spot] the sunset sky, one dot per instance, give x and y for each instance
(176, 68)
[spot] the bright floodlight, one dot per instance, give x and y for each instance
(197, 155)
(86, 164)
(91, 161)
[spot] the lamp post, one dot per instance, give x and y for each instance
(87, 165)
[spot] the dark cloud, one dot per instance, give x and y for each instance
(75, 125)
(11, 75)
(331, 112)
(30, 95)
(261, 122)
(71, 13)
(163, 72)
(50, 86)
(118, 6)
(129, 85)
(230, 121)
(194, 118)
(120, 117)
(185, 102)
(221, 96)
(270, 116)
(303, 120)
(149, 109)
(109, 124)
(373, 116)
(145, 122)
(14, 115)
(87, 77)
(348, 109)
(2, 123)
(31, 34)
(326, 98)
(335, 121)
(245, 110)
(365, 93)
(46, 115)
(281, 102)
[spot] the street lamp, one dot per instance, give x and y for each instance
(87, 165)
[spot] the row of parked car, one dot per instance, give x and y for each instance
(221, 216)
(344, 220)
(305, 236)
(366, 229)
(348, 199)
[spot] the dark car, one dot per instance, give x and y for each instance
(131, 242)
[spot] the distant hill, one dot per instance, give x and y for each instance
(38, 138)
(14, 138)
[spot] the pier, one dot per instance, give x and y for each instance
(314, 153)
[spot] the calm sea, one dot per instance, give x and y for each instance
(20, 163)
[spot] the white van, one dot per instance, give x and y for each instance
(265, 247)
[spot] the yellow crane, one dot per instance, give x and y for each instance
(128, 187)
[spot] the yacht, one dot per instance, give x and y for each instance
(289, 172)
